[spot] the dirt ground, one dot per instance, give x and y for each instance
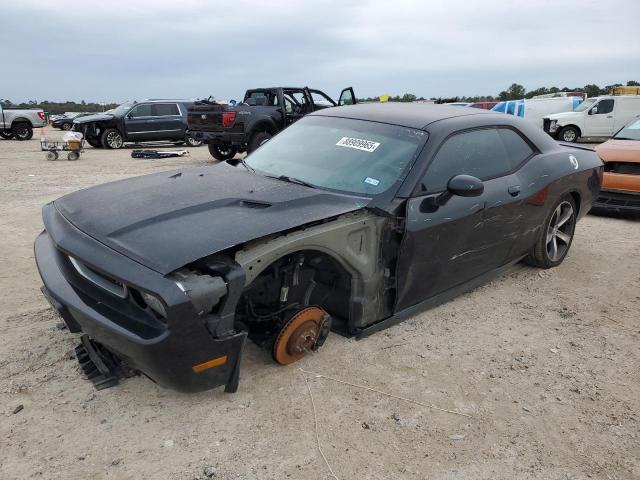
(546, 363)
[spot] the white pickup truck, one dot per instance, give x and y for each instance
(19, 123)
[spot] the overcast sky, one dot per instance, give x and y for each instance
(116, 50)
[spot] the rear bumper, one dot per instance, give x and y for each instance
(174, 352)
(617, 201)
(219, 137)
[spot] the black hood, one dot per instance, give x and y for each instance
(98, 117)
(167, 220)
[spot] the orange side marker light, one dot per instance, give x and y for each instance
(216, 362)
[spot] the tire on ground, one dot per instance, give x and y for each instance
(258, 139)
(22, 131)
(111, 138)
(572, 134)
(538, 256)
(222, 152)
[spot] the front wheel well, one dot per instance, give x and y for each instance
(576, 198)
(571, 125)
(293, 282)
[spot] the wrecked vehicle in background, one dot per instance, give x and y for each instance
(261, 115)
(350, 220)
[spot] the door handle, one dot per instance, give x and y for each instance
(609, 116)
(514, 190)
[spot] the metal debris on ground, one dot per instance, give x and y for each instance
(159, 153)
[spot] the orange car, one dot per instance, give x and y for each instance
(621, 183)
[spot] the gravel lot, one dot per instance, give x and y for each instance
(547, 363)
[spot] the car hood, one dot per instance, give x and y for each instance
(562, 115)
(619, 151)
(167, 220)
(93, 118)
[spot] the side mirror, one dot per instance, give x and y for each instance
(465, 186)
(593, 111)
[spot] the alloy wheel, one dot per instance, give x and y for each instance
(569, 135)
(560, 231)
(114, 140)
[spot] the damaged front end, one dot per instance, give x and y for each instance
(177, 329)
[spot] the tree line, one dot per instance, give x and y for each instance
(60, 107)
(514, 92)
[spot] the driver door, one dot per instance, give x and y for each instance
(347, 97)
(453, 241)
(600, 119)
(140, 123)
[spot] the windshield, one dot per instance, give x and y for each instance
(631, 131)
(588, 103)
(122, 109)
(354, 156)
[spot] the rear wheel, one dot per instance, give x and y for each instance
(51, 156)
(22, 131)
(7, 135)
(112, 138)
(66, 126)
(555, 236)
(222, 151)
(73, 156)
(258, 139)
(192, 142)
(569, 134)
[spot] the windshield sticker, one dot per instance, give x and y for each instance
(358, 144)
(372, 181)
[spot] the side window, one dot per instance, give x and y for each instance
(517, 149)
(485, 153)
(164, 109)
(604, 106)
(141, 111)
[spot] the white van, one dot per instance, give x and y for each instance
(595, 117)
(535, 109)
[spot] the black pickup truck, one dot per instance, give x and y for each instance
(232, 129)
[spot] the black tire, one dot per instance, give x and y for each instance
(51, 155)
(569, 134)
(258, 139)
(66, 126)
(111, 138)
(542, 254)
(222, 151)
(6, 135)
(22, 131)
(73, 156)
(192, 142)
(94, 143)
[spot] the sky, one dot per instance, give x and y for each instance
(118, 50)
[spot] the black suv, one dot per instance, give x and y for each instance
(145, 121)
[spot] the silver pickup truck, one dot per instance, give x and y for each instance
(19, 123)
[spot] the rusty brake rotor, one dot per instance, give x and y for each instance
(305, 331)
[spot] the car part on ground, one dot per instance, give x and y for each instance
(261, 115)
(158, 153)
(339, 218)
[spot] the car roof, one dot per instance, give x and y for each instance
(161, 100)
(412, 115)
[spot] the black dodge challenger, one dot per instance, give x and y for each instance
(349, 220)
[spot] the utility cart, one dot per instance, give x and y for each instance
(73, 147)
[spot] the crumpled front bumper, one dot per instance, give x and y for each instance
(183, 352)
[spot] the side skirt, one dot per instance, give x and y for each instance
(434, 301)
